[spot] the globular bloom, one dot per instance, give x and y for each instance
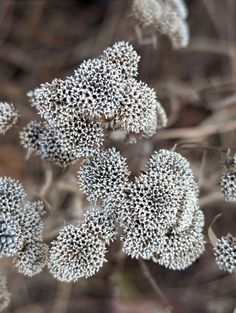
(225, 253)
(165, 17)
(139, 110)
(159, 211)
(5, 295)
(76, 253)
(124, 57)
(103, 174)
(32, 258)
(228, 186)
(8, 116)
(10, 235)
(30, 135)
(100, 87)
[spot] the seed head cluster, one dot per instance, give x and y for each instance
(8, 116)
(167, 17)
(158, 212)
(228, 186)
(76, 111)
(225, 253)
(21, 226)
(5, 295)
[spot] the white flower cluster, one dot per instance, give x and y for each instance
(158, 212)
(8, 116)
(167, 17)
(76, 110)
(21, 228)
(225, 253)
(4, 293)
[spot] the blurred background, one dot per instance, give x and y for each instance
(41, 40)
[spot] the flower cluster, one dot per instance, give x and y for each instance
(8, 116)
(228, 179)
(225, 253)
(4, 293)
(165, 16)
(21, 228)
(79, 250)
(77, 110)
(158, 212)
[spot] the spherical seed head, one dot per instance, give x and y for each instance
(31, 221)
(180, 249)
(179, 7)
(12, 194)
(8, 116)
(228, 186)
(29, 136)
(103, 174)
(76, 253)
(100, 87)
(10, 235)
(225, 253)
(32, 258)
(5, 295)
(123, 56)
(55, 100)
(101, 222)
(80, 135)
(180, 38)
(138, 108)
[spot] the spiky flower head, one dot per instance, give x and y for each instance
(228, 186)
(10, 235)
(5, 295)
(8, 116)
(225, 253)
(76, 253)
(103, 174)
(31, 259)
(100, 87)
(12, 194)
(139, 109)
(124, 57)
(29, 135)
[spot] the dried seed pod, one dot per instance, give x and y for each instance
(228, 186)
(225, 253)
(8, 116)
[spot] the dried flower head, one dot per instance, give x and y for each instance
(100, 87)
(12, 194)
(228, 186)
(31, 259)
(166, 17)
(5, 295)
(225, 253)
(29, 135)
(103, 174)
(138, 110)
(8, 116)
(76, 253)
(124, 57)
(10, 235)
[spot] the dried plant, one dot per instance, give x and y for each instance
(168, 17)
(8, 116)
(225, 253)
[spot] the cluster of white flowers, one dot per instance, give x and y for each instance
(76, 110)
(225, 253)
(21, 228)
(167, 17)
(8, 116)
